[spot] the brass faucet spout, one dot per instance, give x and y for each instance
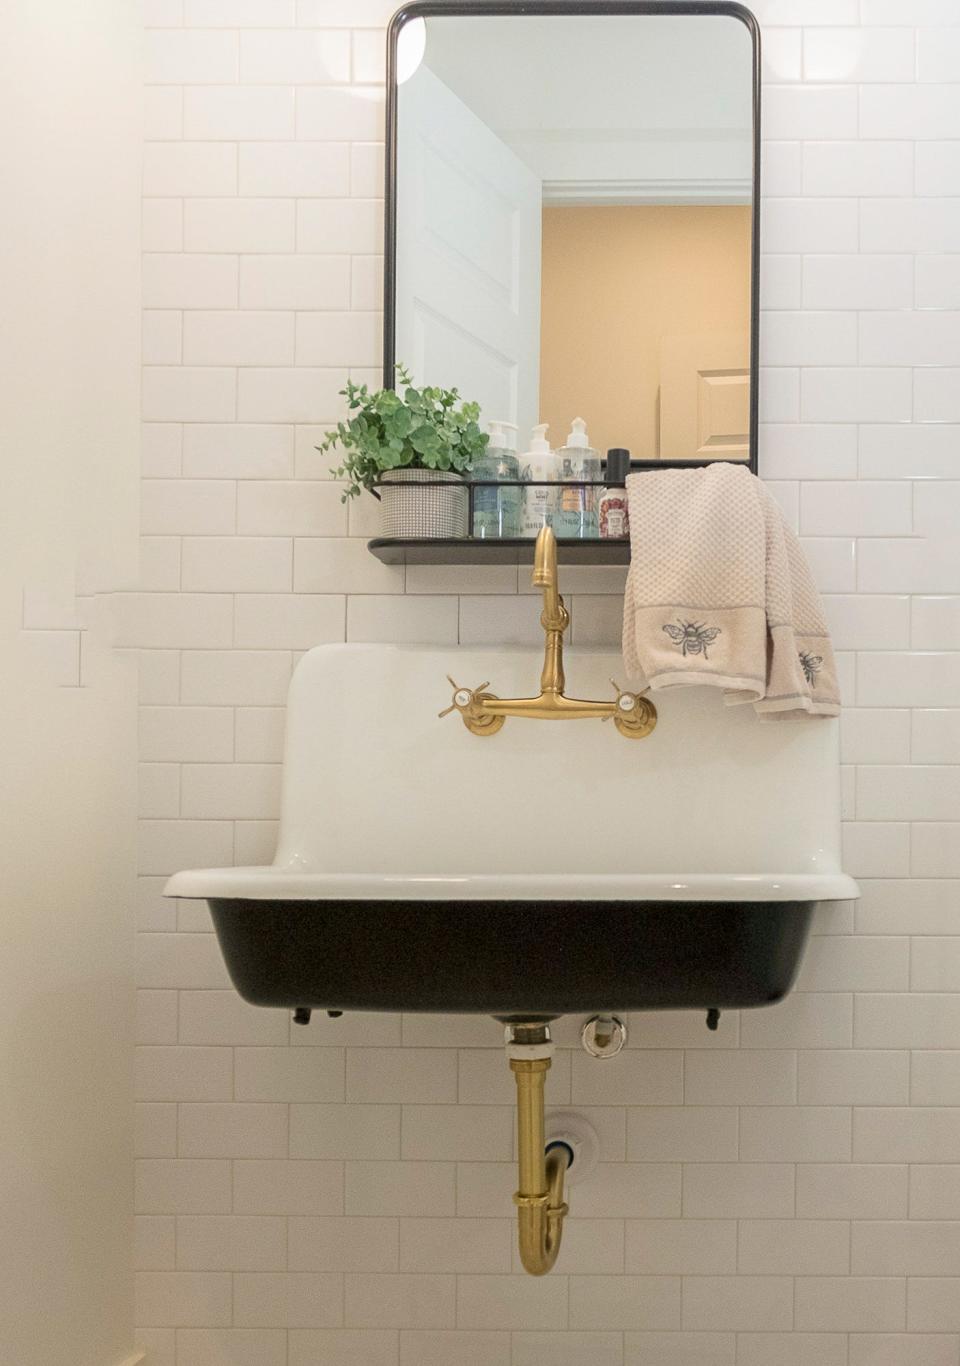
(545, 576)
(545, 557)
(554, 618)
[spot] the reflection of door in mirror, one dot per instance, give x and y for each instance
(468, 238)
(618, 280)
(569, 192)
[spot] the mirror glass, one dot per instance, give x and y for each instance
(574, 224)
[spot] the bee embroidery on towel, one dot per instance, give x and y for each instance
(811, 665)
(692, 637)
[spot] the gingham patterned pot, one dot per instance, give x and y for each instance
(426, 513)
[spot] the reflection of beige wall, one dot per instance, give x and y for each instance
(617, 279)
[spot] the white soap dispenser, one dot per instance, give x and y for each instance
(539, 502)
(577, 506)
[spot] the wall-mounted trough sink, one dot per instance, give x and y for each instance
(548, 869)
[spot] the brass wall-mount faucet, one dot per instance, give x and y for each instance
(484, 713)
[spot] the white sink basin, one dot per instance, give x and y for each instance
(678, 870)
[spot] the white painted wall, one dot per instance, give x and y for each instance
(69, 341)
(799, 1171)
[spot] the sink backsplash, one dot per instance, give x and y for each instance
(711, 790)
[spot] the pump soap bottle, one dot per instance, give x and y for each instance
(496, 512)
(539, 501)
(577, 516)
(614, 510)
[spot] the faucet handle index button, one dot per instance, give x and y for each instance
(462, 697)
(469, 703)
(635, 716)
(626, 701)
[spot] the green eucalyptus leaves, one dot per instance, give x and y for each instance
(403, 428)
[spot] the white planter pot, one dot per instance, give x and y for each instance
(423, 513)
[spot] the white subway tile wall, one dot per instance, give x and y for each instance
(785, 1193)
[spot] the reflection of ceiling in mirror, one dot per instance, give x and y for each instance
(660, 107)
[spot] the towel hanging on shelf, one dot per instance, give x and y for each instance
(719, 594)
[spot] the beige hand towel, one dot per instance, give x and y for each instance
(719, 593)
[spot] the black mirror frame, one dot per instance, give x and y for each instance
(425, 9)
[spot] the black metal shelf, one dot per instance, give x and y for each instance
(473, 550)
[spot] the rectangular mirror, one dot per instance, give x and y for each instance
(572, 215)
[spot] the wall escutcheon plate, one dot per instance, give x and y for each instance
(603, 1036)
(570, 1127)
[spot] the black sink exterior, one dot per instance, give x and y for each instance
(511, 958)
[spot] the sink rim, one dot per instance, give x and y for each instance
(269, 882)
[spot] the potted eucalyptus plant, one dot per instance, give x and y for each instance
(395, 440)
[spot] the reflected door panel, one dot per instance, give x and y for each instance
(468, 238)
(705, 397)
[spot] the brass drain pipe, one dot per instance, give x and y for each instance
(539, 1198)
